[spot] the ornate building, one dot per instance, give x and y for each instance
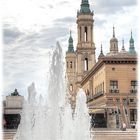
(110, 83)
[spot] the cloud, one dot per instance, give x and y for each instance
(111, 6)
(46, 37)
(11, 34)
(65, 20)
(27, 55)
(63, 2)
(99, 22)
(50, 6)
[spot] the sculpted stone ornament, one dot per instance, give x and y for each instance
(15, 93)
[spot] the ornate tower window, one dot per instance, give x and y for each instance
(86, 64)
(80, 33)
(71, 87)
(85, 34)
(71, 64)
(67, 64)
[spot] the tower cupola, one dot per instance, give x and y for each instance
(70, 47)
(85, 8)
(114, 43)
(131, 45)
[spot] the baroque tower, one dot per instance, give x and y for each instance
(71, 69)
(79, 62)
(85, 47)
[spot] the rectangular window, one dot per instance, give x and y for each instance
(71, 64)
(67, 64)
(86, 64)
(131, 100)
(133, 85)
(117, 100)
(103, 87)
(133, 115)
(85, 34)
(71, 87)
(113, 85)
(124, 101)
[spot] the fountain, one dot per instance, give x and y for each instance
(51, 118)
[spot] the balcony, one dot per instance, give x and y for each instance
(114, 91)
(89, 98)
(97, 95)
(133, 91)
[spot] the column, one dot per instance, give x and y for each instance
(78, 28)
(89, 33)
(82, 33)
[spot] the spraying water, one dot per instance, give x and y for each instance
(52, 119)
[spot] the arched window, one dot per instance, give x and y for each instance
(86, 64)
(85, 34)
(70, 64)
(80, 34)
(88, 92)
(67, 64)
(71, 87)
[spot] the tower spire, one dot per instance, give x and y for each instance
(113, 43)
(70, 32)
(101, 52)
(131, 33)
(70, 47)
(101, 49)
(123, 49)
(131, 45)
(113, 31)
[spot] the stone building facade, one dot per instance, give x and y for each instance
(12, 108)
(110, 83)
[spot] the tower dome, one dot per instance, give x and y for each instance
(113, 43)
(85, 7)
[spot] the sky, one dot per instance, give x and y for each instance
(31, 29)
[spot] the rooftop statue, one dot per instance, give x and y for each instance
(15, 93)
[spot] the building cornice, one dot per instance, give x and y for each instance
(108, 60)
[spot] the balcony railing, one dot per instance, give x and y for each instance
(133, 91)
(114, 91)
(89, 98)
(98, 95)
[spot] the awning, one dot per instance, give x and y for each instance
(96, 111)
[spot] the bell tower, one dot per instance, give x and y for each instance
(85, 47)
(71, 70)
